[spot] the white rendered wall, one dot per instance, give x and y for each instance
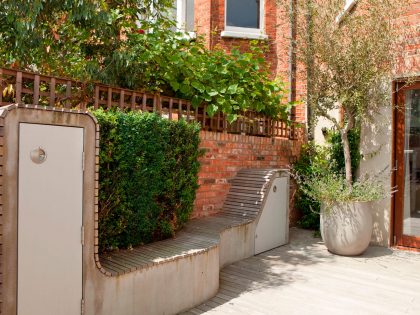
(324, 123)
(376, 146)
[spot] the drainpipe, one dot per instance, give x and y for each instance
(309, 56)
(292, 57)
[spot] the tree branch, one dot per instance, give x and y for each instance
(325, 114)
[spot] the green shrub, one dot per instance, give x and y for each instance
(173, 65)
(312, 160)
(313, 170)
(330, 188)
(147, 178)
(337, 151)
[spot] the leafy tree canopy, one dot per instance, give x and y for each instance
(133, 44)
(67, 37)
(349, 63)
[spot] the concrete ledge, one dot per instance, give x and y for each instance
(173, 284)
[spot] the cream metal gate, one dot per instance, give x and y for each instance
(50, 224)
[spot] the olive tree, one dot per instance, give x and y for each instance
(349, 58)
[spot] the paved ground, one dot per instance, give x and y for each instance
(303, 278)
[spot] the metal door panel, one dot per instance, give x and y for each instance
(272, 227)
(50, 220)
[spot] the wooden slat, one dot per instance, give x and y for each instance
(159, 104)
(250, 172)
(171, 104)
(138, 259)
(1, 86)
(243, 204)
(109, 98)
(121, 262)
(18, 87)
(254, 200)
(144, 102)
(225, 124)
(241, 207)
(52, 92)
(133, 101)
(96, 102)
(241, 194)
(244, 214)
(112, 267)
(109, 268)
(251, 178)
(179, 109)
(154, 103)
(122, 102)
(241, 212)
(255, 189)
(68, 94)
(36, 90)
(237, 184)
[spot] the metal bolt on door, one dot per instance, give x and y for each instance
(50, 220)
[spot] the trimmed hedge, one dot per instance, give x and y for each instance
(147, 177)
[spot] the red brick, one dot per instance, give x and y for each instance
(217, 170)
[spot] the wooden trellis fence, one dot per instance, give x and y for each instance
(31, 88)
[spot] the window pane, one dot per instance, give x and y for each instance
(243, 13)
(189, 16)
(411, 223)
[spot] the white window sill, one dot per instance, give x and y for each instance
(187, 35)
(347, 8)
(191, 35)
(245, 35)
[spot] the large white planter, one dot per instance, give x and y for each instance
(346, 228)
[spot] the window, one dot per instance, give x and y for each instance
(244, 19)
(184, 10)
(348, 6)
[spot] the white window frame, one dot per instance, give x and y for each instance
(347, 8)
(245, 32)
(181, 17)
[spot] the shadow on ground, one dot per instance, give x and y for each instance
(275, 268)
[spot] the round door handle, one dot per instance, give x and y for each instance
(274, 188)
(38, 155)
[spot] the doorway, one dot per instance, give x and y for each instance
(407, 162)
(50, 220)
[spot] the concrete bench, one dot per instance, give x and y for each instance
(173, 275)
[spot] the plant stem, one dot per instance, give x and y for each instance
(347, 156)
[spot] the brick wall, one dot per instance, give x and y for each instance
(410, 61)
(226, 154)
(210, 22)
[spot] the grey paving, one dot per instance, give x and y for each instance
(304, 278)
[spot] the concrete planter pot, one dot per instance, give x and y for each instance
(346, 227)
